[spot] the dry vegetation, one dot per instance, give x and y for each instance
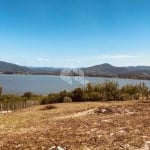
(78, 126)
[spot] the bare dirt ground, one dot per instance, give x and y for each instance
(78, 126)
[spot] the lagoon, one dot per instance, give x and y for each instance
(45, 84)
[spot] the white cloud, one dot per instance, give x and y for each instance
(42, 59)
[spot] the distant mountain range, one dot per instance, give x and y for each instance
(9, 67)
(107, 69)
(103, 70)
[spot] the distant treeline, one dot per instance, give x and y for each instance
(106, 91)
(57, 73)
(121, 76)
(31, 73)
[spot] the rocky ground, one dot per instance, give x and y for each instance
(78, 126)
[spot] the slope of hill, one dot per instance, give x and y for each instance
(9, 67)
(6, 67)
(78, 126)
(112, 71)
(106, 69)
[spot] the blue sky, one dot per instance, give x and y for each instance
(74, 33)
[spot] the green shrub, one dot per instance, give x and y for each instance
(89, 88)
(131, 91)
(28, 95)
(44, 100)
(95, 96)
(78, 95)
(106, 91)
(1, 90)
(109, 90)
(143, 90)
(67, 99)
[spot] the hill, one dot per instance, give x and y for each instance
(12, 68)
(142, 72)
(103, 70)
(106, 69)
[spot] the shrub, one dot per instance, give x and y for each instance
(89, 88)
(47, 107)
(62, 95)
(10, 98)
(144, 91)
(96, 96)
(28, 94)
(109, 90)
(131, 91)
(67, 99)
(53, 98)
(78, 95)
(1, 90)
(44, 100)
(106, 91)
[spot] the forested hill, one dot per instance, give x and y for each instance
(9, 67)
(104, 70)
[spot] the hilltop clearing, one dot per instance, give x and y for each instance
(78, 126)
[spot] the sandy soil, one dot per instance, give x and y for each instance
(78, 126)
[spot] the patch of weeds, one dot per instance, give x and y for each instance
(48, 107)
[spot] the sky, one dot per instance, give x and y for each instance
(75, 33)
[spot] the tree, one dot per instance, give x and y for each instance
(28, 94)
(110, 90)
(77, 95)
(89, 88)
(143, 90)
(130, 91)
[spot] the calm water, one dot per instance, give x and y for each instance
(44, 84)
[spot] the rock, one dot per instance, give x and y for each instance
(56, 148)
(102, 110)
(60, 148)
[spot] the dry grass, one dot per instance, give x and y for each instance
(78, 126)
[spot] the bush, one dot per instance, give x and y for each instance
(109, 90)
(28, 95)
(78, 95)
(96, 96)
(106, 91)
(130, 91)
(44, 100)
(62, 95)
(67, 99)
(54, 98)
(1, 90)
(48, 107)
(89, 88)
(144, 91)
(10, 98)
